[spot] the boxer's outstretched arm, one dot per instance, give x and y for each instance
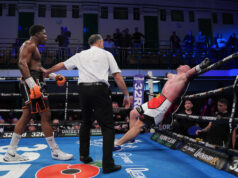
(191, 72)
(205, 63)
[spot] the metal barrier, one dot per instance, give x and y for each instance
(132, 58)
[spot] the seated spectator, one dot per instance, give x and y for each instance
(95, 125)
(185, 126)
(14, 120)
(69, 123)
(31, 128)
(232, 43)
(209, 108)
(2, 121)
(108, 42)
(215, 46)
(56, 126)
(201, 41)
(118, 115)
(13, 123)
(217, 133)
(188, 41)
(221, 42)
(76, 126)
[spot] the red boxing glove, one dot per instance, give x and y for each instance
(60, 80)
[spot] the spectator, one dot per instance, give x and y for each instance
(188, 41)
(185, 126)
(232, 43)
(13, 123)
(117, 37)
(201, 41)
(63, 42)
(174, 42)
(32, 127)
(69, 123)
(125, 39)
(76, 125)
(14, 120)
(118, 116)
(221, 42)
(96, 124)
(56, 126)
(15, 47)
(215, 46)
(2, 121)
(218, 132)
(209, 108)
(67, 35)
(61, 39)
(108, 42)
(137, 38)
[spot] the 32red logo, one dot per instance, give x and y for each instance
(68, 171)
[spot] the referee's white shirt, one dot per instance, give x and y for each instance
(94, 65)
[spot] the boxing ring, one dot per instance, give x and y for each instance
(144, 158)
(161, 154)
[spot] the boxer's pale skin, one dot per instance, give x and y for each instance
(171, 90)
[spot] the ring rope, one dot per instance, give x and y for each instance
(229, 151)
(62, 123)
(53, 110)
(55, 94)
(209, 93)
(66, 100)
(218, 63)
(233, 110)
(204, 118)
(76, 78)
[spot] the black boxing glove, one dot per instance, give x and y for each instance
(205, 63)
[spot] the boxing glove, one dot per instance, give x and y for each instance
(205, 63)
(35, 91)
(60, 79)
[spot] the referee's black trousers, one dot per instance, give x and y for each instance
(95, 101)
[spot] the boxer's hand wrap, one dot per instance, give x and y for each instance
(205, 63)
(60, 79)
(34, 88)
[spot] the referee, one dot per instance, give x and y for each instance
(94, 66)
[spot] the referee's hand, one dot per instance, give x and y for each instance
(126, 103)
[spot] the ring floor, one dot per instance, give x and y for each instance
(143, 158)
